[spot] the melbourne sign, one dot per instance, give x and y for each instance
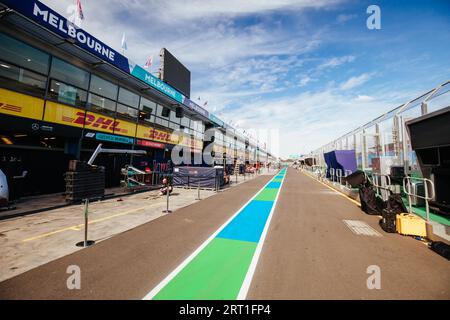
(53, 21)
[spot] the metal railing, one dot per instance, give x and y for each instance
(332, 173)
(407, 184)
(382, 184)
(339, 175)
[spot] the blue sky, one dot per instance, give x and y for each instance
(309, 68)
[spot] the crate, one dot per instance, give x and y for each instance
(412, 225)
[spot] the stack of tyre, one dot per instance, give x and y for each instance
(84, 181)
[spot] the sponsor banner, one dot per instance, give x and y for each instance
(149, 133)
(36, 127)
(62, 114)
(195, 107)
(151, 144)
(213, 118)
(20, 105)
(56, 23)
(156, 83)
(113, 138)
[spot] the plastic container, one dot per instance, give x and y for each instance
(411, 225)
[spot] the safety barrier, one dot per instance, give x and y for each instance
(407, 186)
(382, 182)
(332, 173)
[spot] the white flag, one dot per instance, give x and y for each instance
(124, 42)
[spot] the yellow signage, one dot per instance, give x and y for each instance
(58, 113)
(21, 105)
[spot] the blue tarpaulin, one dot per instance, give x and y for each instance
(340, 159)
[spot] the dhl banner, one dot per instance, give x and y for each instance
(149, 133)
(65, 115)
(20, 105)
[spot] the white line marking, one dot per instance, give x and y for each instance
(361, 228)
(251, 270)
(171, 275)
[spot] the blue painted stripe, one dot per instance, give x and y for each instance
(249, 223)
(274, 185)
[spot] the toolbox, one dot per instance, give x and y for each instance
(410, 224)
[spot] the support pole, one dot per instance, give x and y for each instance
(167, 203)
(198, 191)
(86, 242)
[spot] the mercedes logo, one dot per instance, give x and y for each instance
(35, 126)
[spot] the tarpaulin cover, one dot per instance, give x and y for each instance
(205, 177)
(340, 159)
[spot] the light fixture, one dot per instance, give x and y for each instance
(6, 140)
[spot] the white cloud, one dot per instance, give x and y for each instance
(310, 119)
(363, 98)
(336, 61)
(305, 80)
(345, 17)
(180, 11)
(355, 81)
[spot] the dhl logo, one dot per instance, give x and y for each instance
(10, 107)
(157, 135)
(92, 121)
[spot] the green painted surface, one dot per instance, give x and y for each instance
(267, 194)
(277, 180)
(216, 273)
(421, 212)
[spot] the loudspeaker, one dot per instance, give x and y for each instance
(179, 112)
(165, 112)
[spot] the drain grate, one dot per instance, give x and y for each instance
(361, 228)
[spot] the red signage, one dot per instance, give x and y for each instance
(151, 144)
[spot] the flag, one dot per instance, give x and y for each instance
(124, 43)
(80, 10)
(149, 62)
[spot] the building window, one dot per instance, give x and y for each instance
(129, 98)
(126, 111)
(103, 88)
(162, 122)
(23, 55)
(97, 103)
(163, 112)
(147, 110)
(16, 78)
(173, 118)
(174, 126)
(67, 94)
(185, 121)
(70, 74)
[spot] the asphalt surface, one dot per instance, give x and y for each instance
(129, 265)
(308, 253)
